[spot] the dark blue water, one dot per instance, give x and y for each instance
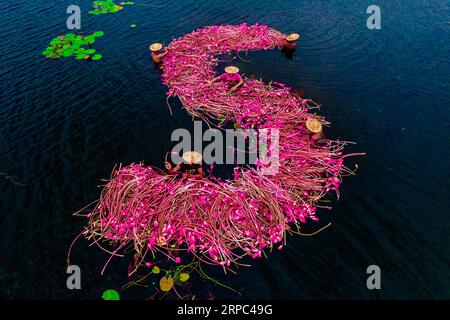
(65, 124)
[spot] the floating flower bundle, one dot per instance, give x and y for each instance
(220, 222)
(73, 45)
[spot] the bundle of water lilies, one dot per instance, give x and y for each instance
(220, 222)
(107, 6)
(73, 45)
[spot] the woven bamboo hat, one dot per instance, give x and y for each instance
(156, 47)
(313, 125)
(231, 69)
(292, 37)
(192, 157)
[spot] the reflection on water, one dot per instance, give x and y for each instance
(65, 124)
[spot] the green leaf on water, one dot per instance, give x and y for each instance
(69, 37)
(96, 57)
(67, 53)
(55, 41)
(110, 295)
(184, 277)
(90, 39)
(156, 270)
(89, 51)
(98, 34)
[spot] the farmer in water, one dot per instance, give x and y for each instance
(157, 54)
(190, 167)
(315, 130)
(288, 47)
(232, 77)
(290, 41)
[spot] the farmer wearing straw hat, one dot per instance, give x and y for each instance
(231, 76)
(290, 41)
(157, 55)
(190, 167)
(315, 129)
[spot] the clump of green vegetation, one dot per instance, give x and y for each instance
(107, 6)
(73, 45)
(111, 295)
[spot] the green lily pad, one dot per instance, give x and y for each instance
(69, 37)
(184, 277)
(98, 34)
(96, 57)
(67, 53)
(156, 270)
(90, 39)
(110, 295)
(89, 51)
(55, 41)
(133, 26)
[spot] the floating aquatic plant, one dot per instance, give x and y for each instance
(110, 294)
(108, 6)
(73, 45)
(166, 283)
(170, 280)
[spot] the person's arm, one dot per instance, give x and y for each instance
(173, 170)
(162, 55)
(282, 45)
(237, 86)
(317, 137)
(177, 167)
(215, 79)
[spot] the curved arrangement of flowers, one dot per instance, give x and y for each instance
(219, 222)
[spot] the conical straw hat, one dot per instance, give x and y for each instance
(192, 157)
(231, 69)
(156, 47)
(292, 37)
(313, 125)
